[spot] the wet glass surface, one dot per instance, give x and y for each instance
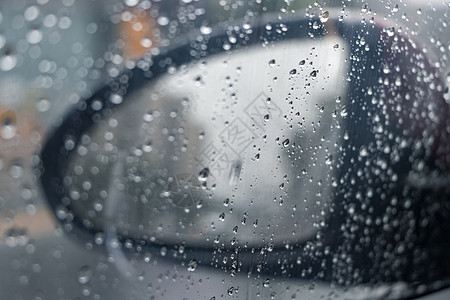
(224, 149)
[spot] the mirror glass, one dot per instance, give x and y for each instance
(238, 148)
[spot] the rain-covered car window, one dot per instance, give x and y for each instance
(254, 149)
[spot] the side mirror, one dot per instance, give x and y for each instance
(300, 148)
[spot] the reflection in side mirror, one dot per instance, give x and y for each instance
(310, 152)
(220, 149)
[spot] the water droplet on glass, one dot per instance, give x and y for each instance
(116, 99)
(230, 291)
(8, 126)
(217, 239)
(235, 173)
(302, 62)
(84, 274)
(363, 151)
(34, 36)
(221, 216)
(344, 111)
(286, 142)
(16, 237)
(8, 62)
(146, 42)
(131, 2)
(203, 175)
(16, 170)
(272, 63)
(163, 21)
(324, 16)
(266, 282)
(390, 31)
(292, 72)
(192, 265)
(315, 25)
(42, 105)
(205, 29)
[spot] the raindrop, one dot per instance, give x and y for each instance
(163, 21)
(272, 63)
(8, 62)
(286, 142)
(315, 25)
(147, 147)
(146, 42)
(363, 151)
(230, 291)
(16, 170)
(217, 239)
(16, 237)
(8, 126)
(43, 105)
(266, 282)
(313, 73)
(390, 31)
(364, 8)
(205, 30)
(203, 175)
(192, 265)
(148, 117)
(65, 23)
(117, 99)
(221, 216)
(302, 62)
(31, 13)
(293, 72)
(131, 3)
(235, 173)
(84, 274)
(86, 290)
(99, 238)
(324, 16)
(34, 36)
(198, 80)
(344, 111)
